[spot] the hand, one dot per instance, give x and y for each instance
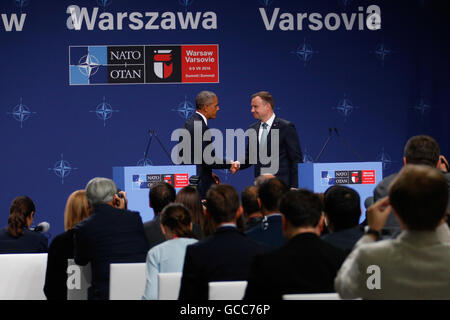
(378, 213)
(235, 165)
(443, 163)
(215, 178)
(120, 202)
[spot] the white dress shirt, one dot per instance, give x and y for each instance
(269, 125)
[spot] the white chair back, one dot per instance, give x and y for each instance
(22, 276)
(312, 296)
(227, 290)
(169, 285)
(126, 281)
(78, 280)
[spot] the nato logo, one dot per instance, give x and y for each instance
(21, 3)
(185, 109)
(266, 3)
(304, 52)
(21, 113)
(345, 107)
(307, 158)
(62, 169)
(327, 178)
(422, 107)
(385, 159)
(382, 51)
(104, 111)
(104, 3)
(88, 65)
(185, 3)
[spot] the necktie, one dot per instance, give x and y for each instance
(264, 134)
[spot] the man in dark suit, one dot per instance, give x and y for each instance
(111, 234)
(306, 264)
(225, 255)
(207, 106)
(160, 195)
(284, 163)
(269, 230)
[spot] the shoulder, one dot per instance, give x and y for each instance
(283, 122)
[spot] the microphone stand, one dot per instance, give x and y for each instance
(348, 146)
(324, 146)
(152, 134)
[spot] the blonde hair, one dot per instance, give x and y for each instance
(77, 209)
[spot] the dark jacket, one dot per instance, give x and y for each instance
(269, 232)
(108, 236)
(305, 264)
(290, 153)
(204, 171)
(344, 239)
(223, 256)
(60, 250)
(153, 231)
(29, 242)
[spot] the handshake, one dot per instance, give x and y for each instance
(235, 166)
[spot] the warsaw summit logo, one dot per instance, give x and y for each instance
(95, 65)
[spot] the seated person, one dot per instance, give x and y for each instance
(61, 248)
(168, 256)
(342, 211)
(305, 264)
(190, 198)
(223, 256)
(17, 237)
(111, 234)
(252, 211)
(415, 264)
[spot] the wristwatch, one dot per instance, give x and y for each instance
(376, 233)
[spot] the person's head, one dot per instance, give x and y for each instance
(21, 214)
(176, 221)
(190, 198)
(263, 177)
(100, 191)
(419, 196)
(270, 193)
(77, 209)
(222, 203)
(262, 105)
(249, 199)
(422, 150)
(207, 104)
(342, 207)
(301, 209)
(160, 195)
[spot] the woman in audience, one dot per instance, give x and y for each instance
(168, 256)
(17, 237)
(190, 198)
(61, 248)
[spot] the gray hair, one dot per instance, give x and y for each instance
(204, 98)
(100, 191)
(260, 179)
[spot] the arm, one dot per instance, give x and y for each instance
(294, 153)
(152, 269)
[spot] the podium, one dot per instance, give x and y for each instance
(360, 176)
(136, 182)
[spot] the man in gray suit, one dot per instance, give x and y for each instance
(415, 264)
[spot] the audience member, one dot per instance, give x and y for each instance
(190, 198)
(342, 212)
(252, 211)
(415, 264)
(17, 237)
(305, 264)
(269, 231)
(160, 195)
(61, 248)
(111, 234)
(259, 180)
(168, 256)
(420, 149)
(225, 255)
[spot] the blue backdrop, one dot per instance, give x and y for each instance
(378, 87)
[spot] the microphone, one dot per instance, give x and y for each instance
(325, 145)
(347, 145)
(42, 227)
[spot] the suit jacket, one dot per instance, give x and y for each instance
(223, 256)
(269, 231)
(412, 266)
(60, 250)
(29, 242)
(204, 171)
(290, 153)
(153, 232)
(306, 264)
(108, 236)
(344, 239)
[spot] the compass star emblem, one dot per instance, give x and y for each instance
(21, 113)
(422, 107)
(385, 159)
(88, 65)
(185, 109)
(62, 169)
(104, 111)
(345, 107)
(304, 52)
